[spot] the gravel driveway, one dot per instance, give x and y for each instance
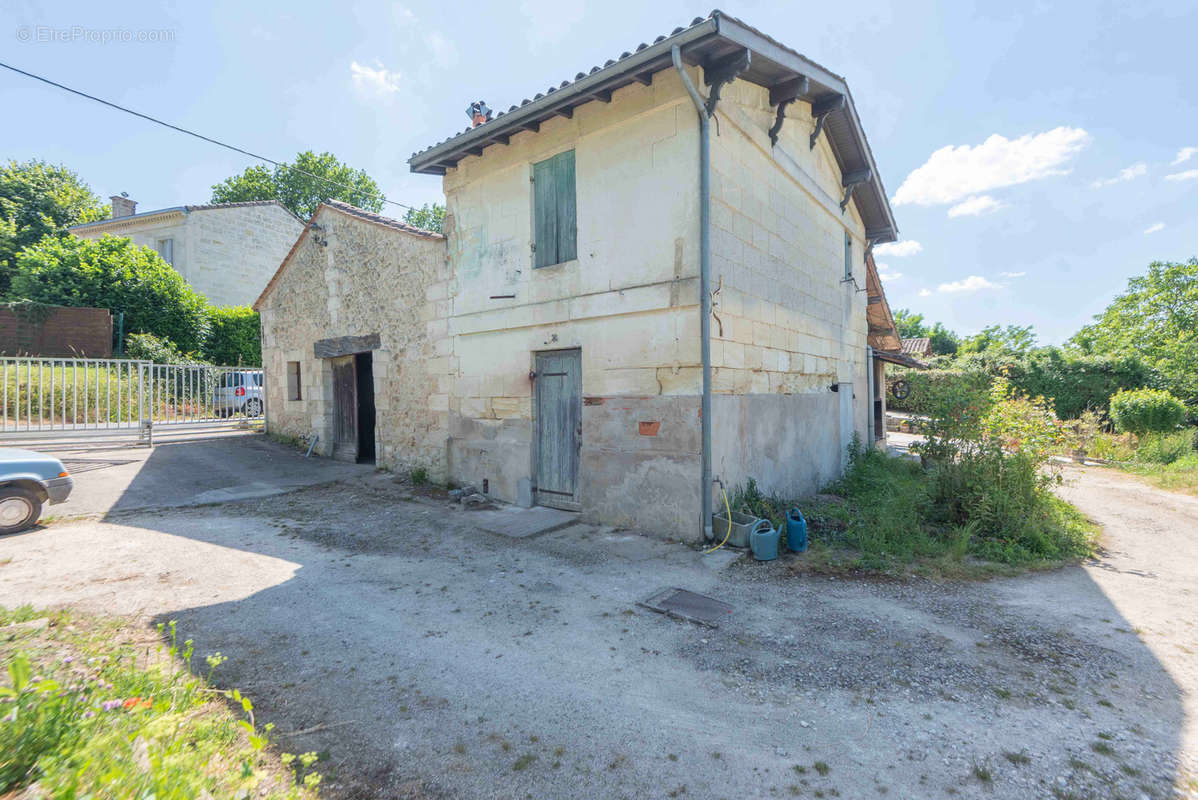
(423, 657)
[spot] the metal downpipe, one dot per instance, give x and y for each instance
(704, 284)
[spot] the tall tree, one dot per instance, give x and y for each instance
(37, 199)
(427, 217)
(302, 185)
(1156, 319)
(1011, 340)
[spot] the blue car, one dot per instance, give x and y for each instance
(28, 481)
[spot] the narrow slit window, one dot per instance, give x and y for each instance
(294, 392)
(848, 256)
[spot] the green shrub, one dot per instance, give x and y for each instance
(1076, 384)
(1143, 411)
(927, 386)
(1166, 448)
(148, 347)
(116, 274)
(236, 337)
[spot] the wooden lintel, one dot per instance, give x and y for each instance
(345, 345)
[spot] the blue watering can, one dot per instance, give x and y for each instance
(796, 531)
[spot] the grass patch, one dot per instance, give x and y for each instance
(1179, 476)
(821, 767)
(1018, 759)
(883, 516)
(1103, 749)
(983, 773)
(93, 708)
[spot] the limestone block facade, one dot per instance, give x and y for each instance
(226, 252)
(360, 275)
(628, 302)
(789, 361)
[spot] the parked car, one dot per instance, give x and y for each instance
(239, 392)
(29, 480)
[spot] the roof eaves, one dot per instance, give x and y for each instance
(594, 82)
(615, 73)
(143, 216)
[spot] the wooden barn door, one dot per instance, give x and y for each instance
(559, 427)
(345, 409)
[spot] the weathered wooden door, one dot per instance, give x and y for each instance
(558, 427)
(345, 409)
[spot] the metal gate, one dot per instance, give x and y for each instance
(89, 400)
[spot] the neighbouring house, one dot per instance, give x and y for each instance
(917, 347)
(227, 252)
(354, 342)
(657, 284)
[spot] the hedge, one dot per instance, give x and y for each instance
(236, 337)
(116, 274)
(1073, 383)
(924, 385)
(1078, 383)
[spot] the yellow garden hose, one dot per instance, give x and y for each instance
(728, 511)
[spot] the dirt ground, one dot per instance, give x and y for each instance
(425, 658)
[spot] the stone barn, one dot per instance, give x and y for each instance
(354, 328)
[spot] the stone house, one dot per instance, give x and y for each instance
(227, 252)
(354, 340)
(652, 291)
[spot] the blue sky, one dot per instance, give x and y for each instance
(1039, 153)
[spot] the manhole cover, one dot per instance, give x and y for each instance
(688, 605)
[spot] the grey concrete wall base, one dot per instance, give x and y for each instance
(788, 443)
(524, 493)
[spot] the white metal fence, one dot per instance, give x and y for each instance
(87, 398)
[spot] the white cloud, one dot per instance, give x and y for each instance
(1012, 274)
(1154, 227)
(971, 284)
(404, 15)
(886, 275)
(1186, 175)
(1184, 155)
(924, 293)
(899, 249)
(377, 79)
(1130, 173)
(956, 172)
(975, 206)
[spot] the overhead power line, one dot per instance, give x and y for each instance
(208, 139)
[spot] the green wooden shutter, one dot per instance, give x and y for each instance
(544, 231)
(567, 224)
(555, 225)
